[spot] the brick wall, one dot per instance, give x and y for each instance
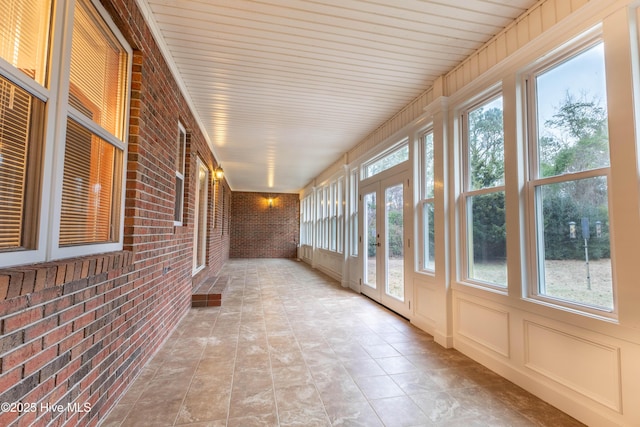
(78, 331)
(260, 231)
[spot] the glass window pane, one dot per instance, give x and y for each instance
(428, 166)
(24, 35)
(572, 115)
(182, 143)
(574, 260)
(177, 210)
(98, 64)
(428, 222)
(88, 188)
(392, 159)
(394, 219)
(370, 238)
(21, 126)
(487, 244)
(486, 145)
(200, 236)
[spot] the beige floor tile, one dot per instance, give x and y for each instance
(291, 347)
(399, 411)
(378, 387)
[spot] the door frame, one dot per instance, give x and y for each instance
(379, 184)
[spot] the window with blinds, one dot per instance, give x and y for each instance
(24, 35)
(92, 176)
(52, 209)
(87, 188)
(20, 122)
(98, 64)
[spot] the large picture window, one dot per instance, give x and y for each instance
(483, 194)
(568, 186)
(61, 163)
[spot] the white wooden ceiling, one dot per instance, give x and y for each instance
(283, 88)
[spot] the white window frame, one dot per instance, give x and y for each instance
(353, 213)
(466, 192)
(319, 217)
(182, 145)
(200, 236)
(57, 111)
(396, 148)
(425, 200)
(340, 215)
(534, 234)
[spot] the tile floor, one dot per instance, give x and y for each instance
(290, 347)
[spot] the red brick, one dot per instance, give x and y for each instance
(70, 341)
(60, 274)
(7, 418)
(28, 282)
(4, 286)
(19, 355)
(57, 335)
(15, 284)
(41, 279)
(13, 305)
(40, 328)
(10, 378)
(22, 319)
(41, 359)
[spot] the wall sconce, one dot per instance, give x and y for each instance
(270, 202)
(218, 173)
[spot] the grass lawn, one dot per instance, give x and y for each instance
(566, 279)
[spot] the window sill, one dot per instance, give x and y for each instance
(24, 280)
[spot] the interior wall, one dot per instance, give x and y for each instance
(263, 230)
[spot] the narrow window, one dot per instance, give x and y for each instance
(353, 213)
(180, 162)
(569, 179)
(333, 216)
(340, 215)
(200, 219)
(483, 194)
(428, 203)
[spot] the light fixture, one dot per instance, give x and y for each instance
(218, 173)
(270, 201)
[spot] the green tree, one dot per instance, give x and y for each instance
(486, 148)
(576, 139)
(486, 163)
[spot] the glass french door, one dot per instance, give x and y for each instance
(384, 242)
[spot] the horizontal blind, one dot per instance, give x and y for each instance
(15, 117)
(98, 64)
(24, 35)
(88, 188)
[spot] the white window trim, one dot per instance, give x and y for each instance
(57, 112)
(181, 175)
(565, 53)
(200, 240)
(465, 192)
(424, 200)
